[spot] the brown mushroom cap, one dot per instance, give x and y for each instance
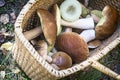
(94, 44)
(62, 60)
(74, 45)
(48, 25)
(108, 22)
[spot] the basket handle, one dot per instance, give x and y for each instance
(105, 70)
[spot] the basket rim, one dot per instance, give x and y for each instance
(50, 69)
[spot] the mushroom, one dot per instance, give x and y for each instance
(33, 33)
(49, 26)
(62, 60)
(105, 27)
(88, 35)
(70, 10)
(84, 23)
(56, 13)
(107, 24)
(94, 44)
(41, 46)
(73, 44)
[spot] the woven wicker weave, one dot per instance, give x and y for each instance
(36, 67)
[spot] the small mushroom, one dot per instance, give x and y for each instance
(84, 23)
(70, 10)
(62, 60)
(33, 33)
(94, 44)
(41, 46)
(74, 45)
(107, 24)
(49, 26)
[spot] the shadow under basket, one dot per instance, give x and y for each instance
(36, 67)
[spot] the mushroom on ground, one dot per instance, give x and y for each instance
(70, 10)
(49, 26)
(62, 60)
(107, 24)
(73, 44)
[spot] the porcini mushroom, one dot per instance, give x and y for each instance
(62, 60)
(41, 46)
(49, 26)
(70, 10)
(56, 13)
(73, 44)
(84, 23)
(105, 27)
(94, 44)
(107, 24)
(33, 33)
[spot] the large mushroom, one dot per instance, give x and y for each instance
(74, 45)
(49, 26)
(107, 24)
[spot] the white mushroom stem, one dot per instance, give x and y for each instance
(33, 33)
(68, 30)
(86, 23)
(88, 35)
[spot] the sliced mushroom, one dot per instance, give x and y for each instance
(70, 10)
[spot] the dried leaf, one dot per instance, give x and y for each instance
(13, 16)
(16, 70)
(7, 46)
(4, 18)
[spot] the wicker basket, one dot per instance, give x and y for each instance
(36, 67)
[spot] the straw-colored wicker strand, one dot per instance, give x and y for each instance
(105, 70)
(106, 50)
(100, 4)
